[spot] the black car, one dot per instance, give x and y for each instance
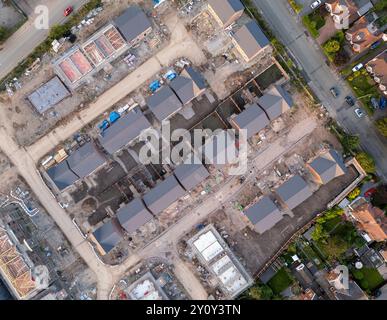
(350, 101)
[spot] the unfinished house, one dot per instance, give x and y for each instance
(85, 160)
(275, 102)
(80, 164)
(263, 215)
(191, 175)
(294, 192)
(133, 24)
(163, 195)
(225, 12)
(363, 33)
(250, 41)
(253, 119)
(347, 11)
(107, 236)
(377, 67)
(164, 103)
(219, 150)
(133, 216)
(327, 167)
(188, 85)
(48, 95)
(125, 130)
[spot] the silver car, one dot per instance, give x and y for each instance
(315, 4)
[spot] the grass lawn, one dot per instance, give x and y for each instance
(370, 279)
(364, 86)
(280, 281)
(332, 223)
(312, 255)
(313, 22)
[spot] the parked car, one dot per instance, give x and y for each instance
(359, 112)
(357, 67)
(334, 92)
(68, 11)
(375, 102)
(375, 44)
(350, 100)
(315, 4)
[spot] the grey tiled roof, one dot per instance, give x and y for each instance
(125, 130)
(329, 166)
(275, 102)
(225, 9)
(133, 215)
(163, 195)
(108, 235)
(132, 23)
(188, 85)
(251, 39)
(85, 160)
(264, 214)
(191, 175)
(62, 176)
(164, 103)
(294, 191)
(253, 119)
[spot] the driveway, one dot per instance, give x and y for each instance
(321, 78)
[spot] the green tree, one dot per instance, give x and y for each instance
(319, 234)
(332, 46)
(259, 292)
(366, 162)
(354, 194)
(357, 274)
(381, 124)
(3, 33)
(350, 143)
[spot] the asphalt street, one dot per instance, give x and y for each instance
(24, 41)
(321, 78)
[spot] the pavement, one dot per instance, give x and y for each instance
(321, 78)
(25, 39)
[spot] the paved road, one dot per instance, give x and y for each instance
(321, 78)
(23, 41)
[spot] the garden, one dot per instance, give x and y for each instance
(314, 21)
(368, 278)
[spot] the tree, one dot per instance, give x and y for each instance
(381, 124)
(341, 57)
(379, 199)
(366, 162)
(3, 33)
(350, 143)
(259, 292)
(354, 194)
(332, 46)
(319, 234)
(357, 274)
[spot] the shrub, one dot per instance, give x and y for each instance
(354, 194)
(381, 124)
(367, 162)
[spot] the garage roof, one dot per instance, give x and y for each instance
(253, 119)
(294, 191)
(133, 215)
(164, 103)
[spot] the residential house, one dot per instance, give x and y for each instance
(164, 103)
(163, 195)
(275, 102)
(294, 192)
(123, 131)
(327, 166)
(377, 67)
(133, 24)
(225, 12)
(107, 236)
(188, 85)
(133, 215)
(263, 215)
(348, 11)
(363, 33)
(250, 41)
(341, 290)
(371, 220)
(80, 164)
(190, 175)
(253, 119)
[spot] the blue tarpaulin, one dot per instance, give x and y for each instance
(154, 85)
(383, 103)
(114, 116)
(104, 125)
